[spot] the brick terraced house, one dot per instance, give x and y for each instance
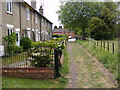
(24, 20)
(62, 31)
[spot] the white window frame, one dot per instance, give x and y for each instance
(9, 6)
(9, 29)
(36, 35)
(18, 37)
(27, 13)
(36, 18)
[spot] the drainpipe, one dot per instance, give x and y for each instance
(31, 26)
(20, 20)
(40, 27)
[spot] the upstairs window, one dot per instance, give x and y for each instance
(36, 21)
(27, 13)
(9, 6)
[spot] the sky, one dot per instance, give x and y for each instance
(50, 8)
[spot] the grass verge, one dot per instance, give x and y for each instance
(10, 82)
(108, 59)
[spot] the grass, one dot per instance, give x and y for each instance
(110, 45)
(10, 82)
(88, 73)
(108, 59)
(14, 58)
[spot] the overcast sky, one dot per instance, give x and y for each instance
(50, 8)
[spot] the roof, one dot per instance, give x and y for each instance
(60, 30)
(22, 1)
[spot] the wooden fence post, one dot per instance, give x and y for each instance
(97, 43)
(101, 44)
(108, 45)
(104, 45)
(113, 47)
(56, 53)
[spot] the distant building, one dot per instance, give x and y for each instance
(62, 31)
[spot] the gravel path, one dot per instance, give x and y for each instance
(86, 71)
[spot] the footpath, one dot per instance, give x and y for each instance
(86, 71)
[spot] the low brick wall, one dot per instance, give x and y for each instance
(36, 73)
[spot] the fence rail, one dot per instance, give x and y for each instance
(105, 45)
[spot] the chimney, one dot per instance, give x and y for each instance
(60, 26)
(33, 4)
(41, 10)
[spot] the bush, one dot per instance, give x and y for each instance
(18, 49)
(11, 42)
(25, 42)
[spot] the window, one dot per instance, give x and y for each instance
(9, 6)
(36, 18)
(42, 22)
(10, 30)
(17, 37)
(27, 13)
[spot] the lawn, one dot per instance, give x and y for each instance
(10, 82)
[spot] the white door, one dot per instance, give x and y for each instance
(28, 34)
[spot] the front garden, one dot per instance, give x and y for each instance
(30, 56)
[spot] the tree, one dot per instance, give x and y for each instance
(76, 15)
(103, 27)
(99, 29)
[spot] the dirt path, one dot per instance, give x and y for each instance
(86, 72)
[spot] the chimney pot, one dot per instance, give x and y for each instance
(41, 10)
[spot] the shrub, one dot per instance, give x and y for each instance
(11, 42)
(18, 49)
(25, 42)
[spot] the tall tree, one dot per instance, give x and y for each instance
(108, 18)
(76, 15)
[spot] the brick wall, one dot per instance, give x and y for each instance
(36, 73)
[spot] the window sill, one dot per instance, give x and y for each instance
(9, 13)
(27, 19)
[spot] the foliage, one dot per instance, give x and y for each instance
(103, 27)
(18, 49)
(25, 42)
(99, 29)
(42, 52)
(77, 16)
(11, 43)
(51, 43)
(59, 36)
